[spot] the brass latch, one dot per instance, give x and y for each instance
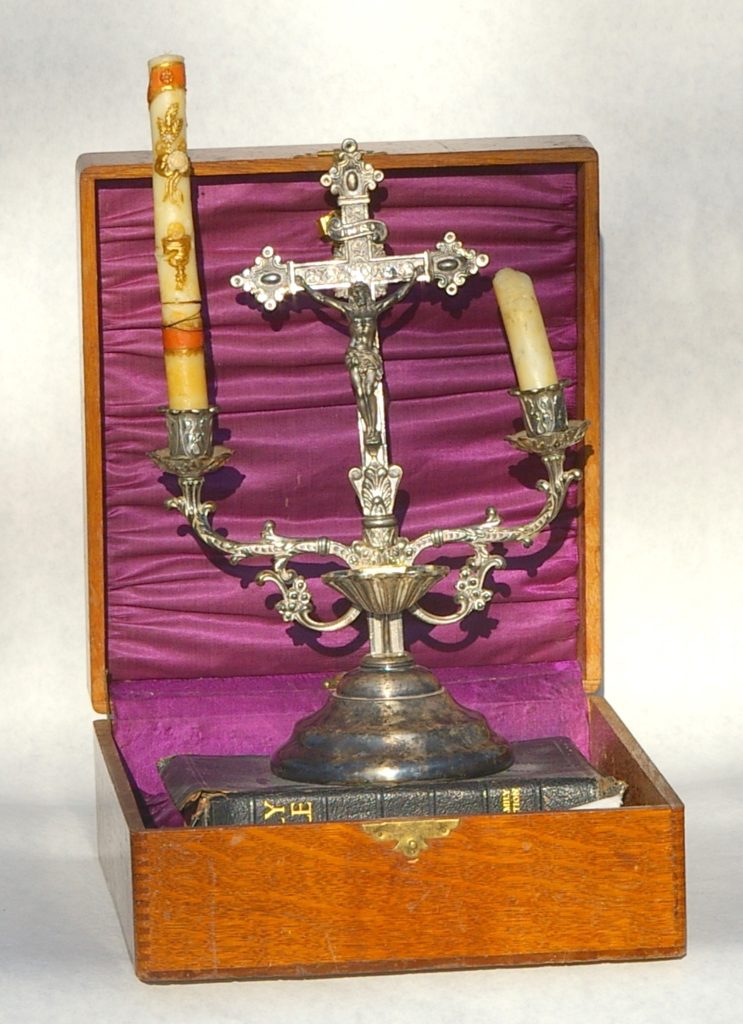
(411, 837)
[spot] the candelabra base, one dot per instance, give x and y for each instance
(390, 721)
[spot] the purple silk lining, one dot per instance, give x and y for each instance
(255, 716)
(176, 612)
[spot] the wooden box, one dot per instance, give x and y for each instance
(328, 899)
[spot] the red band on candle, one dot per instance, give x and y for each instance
(165, 76)
(175, 338)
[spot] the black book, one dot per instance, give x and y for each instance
(546, 775)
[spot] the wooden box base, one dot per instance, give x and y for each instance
(330, 899)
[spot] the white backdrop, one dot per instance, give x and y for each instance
(657, 86)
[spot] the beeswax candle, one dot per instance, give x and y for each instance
(527, 338)
(175, 250)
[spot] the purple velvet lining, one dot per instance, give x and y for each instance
(175, 611)
(255, 716)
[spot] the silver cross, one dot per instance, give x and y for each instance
(358, 250)
(360, 263)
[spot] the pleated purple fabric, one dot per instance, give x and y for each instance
(256, 715)
(179, 617)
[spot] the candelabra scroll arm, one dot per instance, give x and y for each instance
(470, 591)
(296, 603)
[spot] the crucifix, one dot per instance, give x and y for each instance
(358, 275)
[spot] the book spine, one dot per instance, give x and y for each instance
(304, 807)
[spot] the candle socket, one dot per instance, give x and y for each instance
(548, 431)
(191, 451)
(544, 409)
(190, 431)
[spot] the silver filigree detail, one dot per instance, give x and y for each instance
(544, 409)
(190, 453)
(358, 252)
(351, 176)
(296, 603)
(544, 445)
(452, 263)
(190, 431)
(376, 487)
(470, 591)
(366, 555)
(470, 594)
(190, 466)
(269, 279)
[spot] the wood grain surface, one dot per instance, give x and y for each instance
(293, 901)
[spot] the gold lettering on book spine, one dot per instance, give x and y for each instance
(283, 812)
(271, 809)
(301, 809)
(511, 801)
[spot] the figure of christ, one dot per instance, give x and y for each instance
(363, 358)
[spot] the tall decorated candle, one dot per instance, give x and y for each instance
(522, 317)
(175, 249)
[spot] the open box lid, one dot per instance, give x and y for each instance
(159, 605)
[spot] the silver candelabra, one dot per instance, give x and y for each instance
(388, 720)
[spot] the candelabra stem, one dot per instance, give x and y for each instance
(385, 636)
(389, 720)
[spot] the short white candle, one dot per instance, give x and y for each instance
(527, 338)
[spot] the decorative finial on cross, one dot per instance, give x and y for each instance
(358, 250)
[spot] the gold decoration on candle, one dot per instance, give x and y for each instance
(175, 249)
(166, 74)
(171, 159)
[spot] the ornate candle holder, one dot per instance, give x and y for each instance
(388, 720)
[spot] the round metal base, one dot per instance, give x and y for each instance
(390, 721)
